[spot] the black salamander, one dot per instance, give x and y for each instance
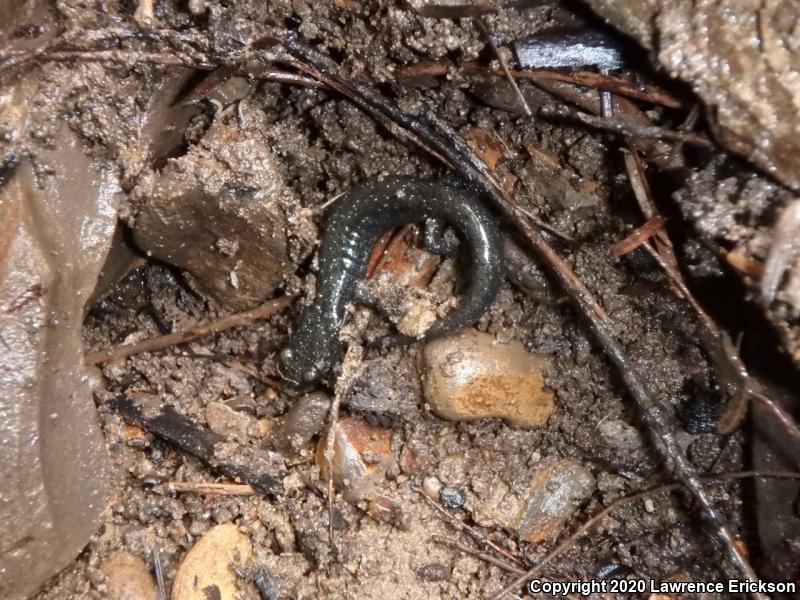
(351, 232)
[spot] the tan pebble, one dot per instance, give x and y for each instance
(431, 486)
(207, 569)
(362, 453)
(229, 423)
(264, 428)
(471, 376)
(127, 578)
(133, 432)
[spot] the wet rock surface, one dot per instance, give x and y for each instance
(537, 510)
(56, 229)
(304, 420)
(472, 376)
(554, 493)
(362, 456)
(222, 213)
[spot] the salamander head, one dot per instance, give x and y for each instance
(309, 355)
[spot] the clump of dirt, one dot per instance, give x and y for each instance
(568, 176)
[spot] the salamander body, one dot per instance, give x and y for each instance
(351, 232)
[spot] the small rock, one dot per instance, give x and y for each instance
(386, 510)
(232, 424)
(303, 421)
(362, 454)
(387, 388)
(432, 487)
(221, 213)
(471, 376)
(617, 434)
(266, 583)
(554, 493)
(288, 572)
(434, 572)
(411, 462)
(700, 416)
(452, 497)
(207, 570)
(242, 402)
(611, 486)
(127, 578)
(230, 91)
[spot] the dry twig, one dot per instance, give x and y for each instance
(204, 487)
(590, 79)
(351, 366)
(638, 236)
(159, 569)
(626, 127)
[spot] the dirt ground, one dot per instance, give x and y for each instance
(323, 146)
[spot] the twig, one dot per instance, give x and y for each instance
(159, 569)
(281, 76)
(644, 197)
(627, 128)
(545, 226)
(218, 489)
(477, 535)
(187, 47)
(481, 25)
(638, 236)
(478, 554)
(199, 331)
(127, 58)
(591, 79)
(351, 366)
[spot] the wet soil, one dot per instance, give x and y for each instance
(326, 146)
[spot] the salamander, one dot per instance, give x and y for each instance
(352, 230)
